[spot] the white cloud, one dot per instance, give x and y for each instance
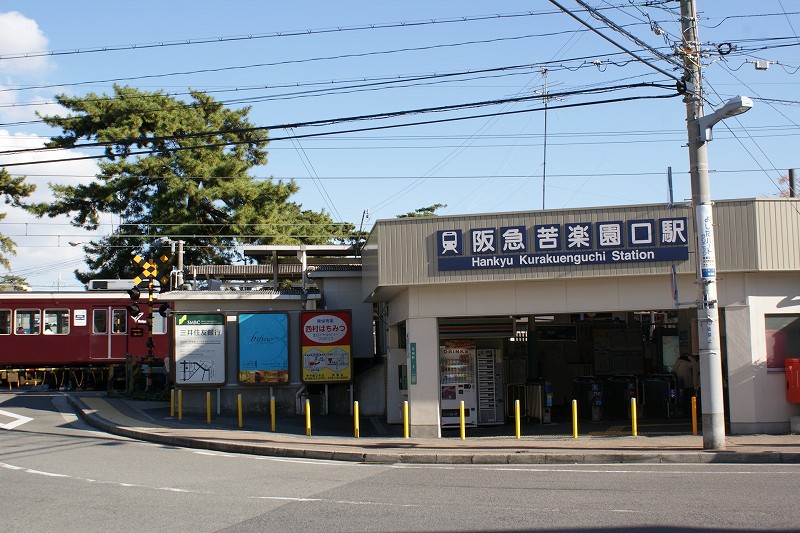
(19, 34)
(44, 256)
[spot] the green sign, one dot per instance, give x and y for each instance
(199, 340)
(413, 355)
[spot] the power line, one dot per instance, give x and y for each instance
(285, 62)
(341, 132)
(630, 53)
(386, 178)
(278, 34)
(324, 122)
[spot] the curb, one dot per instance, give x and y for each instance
(403, 457)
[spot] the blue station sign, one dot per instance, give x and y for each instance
(578, 243)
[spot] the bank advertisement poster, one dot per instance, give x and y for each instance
(326, 346)
(199, 348)
(263, 348)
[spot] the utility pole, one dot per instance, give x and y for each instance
(544, 149)
(713, 409)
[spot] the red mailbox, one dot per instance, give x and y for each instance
(792, 366)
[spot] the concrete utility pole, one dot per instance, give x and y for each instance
(713, 409)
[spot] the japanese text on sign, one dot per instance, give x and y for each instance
(574, 243)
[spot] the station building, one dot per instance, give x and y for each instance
(594, 304)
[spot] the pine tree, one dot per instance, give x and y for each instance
(180, 170)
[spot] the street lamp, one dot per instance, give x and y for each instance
(733, 107)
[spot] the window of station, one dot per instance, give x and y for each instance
(26, 321)
(783, 338)
(56, 322)
(100, 321)
(5, 321)
(120, 321)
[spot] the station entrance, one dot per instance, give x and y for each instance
(602, 360)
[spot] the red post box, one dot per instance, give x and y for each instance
(792, 366)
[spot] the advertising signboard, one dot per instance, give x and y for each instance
(199, 348)
(326, 346)
(263, 348)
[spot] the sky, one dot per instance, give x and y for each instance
(320, 61)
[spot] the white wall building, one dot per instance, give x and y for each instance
(557, 295)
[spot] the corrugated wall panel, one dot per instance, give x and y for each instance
(735, 235)
(407, 246)
(751, 235)
(778, 234)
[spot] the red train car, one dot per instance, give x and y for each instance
(81, 334)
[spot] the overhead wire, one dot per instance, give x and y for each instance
(341, 132)
(320, 122)
(313, 174)
(629, 52)
(277, 34)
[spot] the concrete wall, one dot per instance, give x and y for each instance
(540, 297)
(758, 396)
(423, 397)
(370, 391)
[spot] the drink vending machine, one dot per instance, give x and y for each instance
(457, 382)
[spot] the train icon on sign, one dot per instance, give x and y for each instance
(449, 242)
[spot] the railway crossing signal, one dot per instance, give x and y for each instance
(133, 308)
(150, 269)
(150, 273)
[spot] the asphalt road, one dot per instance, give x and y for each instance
(58, 474)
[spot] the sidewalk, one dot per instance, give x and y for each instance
(332, 439)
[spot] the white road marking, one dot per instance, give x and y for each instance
(652, 469)
(19, 420)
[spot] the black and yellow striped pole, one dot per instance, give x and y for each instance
(150, 273)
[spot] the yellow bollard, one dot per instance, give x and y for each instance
(272, 412)
(171, 401)
(574, 419)
(208, 407)
(516, 419)
(356, 428)
(463, 422)
(406, 433)
(694, 415)
(180, 404)
(239, 406)
(308, 417)
(634, 425)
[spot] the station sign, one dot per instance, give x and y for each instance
(572, 244)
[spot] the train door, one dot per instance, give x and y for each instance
(109, 338)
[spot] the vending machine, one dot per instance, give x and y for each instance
(457, 382)
(490, 387)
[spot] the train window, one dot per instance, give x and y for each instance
(120, 320)
(56, 322)
(26, 321)
(100, 321)
(5, 321)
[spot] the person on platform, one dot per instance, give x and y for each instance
(687, 371)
